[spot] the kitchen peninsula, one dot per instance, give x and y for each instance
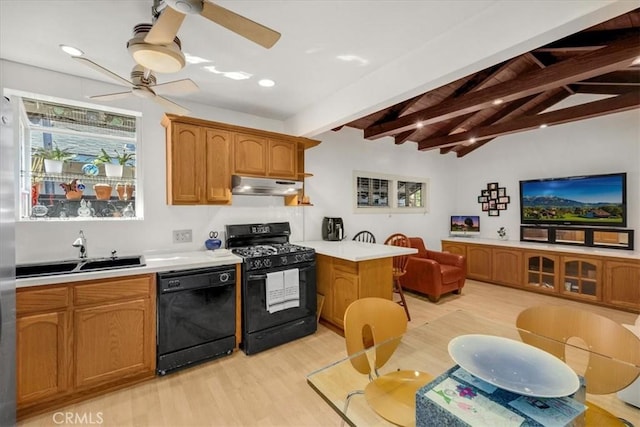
(348, 270)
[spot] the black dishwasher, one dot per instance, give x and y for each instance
(196, 316)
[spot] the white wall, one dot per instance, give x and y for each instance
(52, 240)
(331, 188)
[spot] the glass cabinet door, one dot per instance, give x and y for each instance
(581, 278)
(541, 271)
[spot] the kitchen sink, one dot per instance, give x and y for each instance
(77, 266)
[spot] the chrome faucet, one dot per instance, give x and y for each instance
(81, 242)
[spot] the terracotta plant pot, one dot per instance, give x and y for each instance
(74, 195)
(125, 191)
(103, 191)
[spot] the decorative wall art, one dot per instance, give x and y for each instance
(494, 199)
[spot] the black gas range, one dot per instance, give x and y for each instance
(271, 261)
(274, 255)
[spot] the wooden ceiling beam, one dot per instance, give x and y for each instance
(602, 89)
(462, 150)
(589, 110)
(613, 57)
(617, 78)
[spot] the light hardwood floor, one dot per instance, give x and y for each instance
(269, 388)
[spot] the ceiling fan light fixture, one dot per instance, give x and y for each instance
(159, 58)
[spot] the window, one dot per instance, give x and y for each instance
(379, 193)
(77, 162)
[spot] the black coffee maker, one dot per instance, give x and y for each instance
(332, 229)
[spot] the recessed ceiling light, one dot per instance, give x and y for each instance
(419, 125)
(472, 140)
(70, 50)
(497, 101)
(267, 83)
(636, 61)
(542, 126)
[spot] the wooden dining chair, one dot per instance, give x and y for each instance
(364, 236)
(399, 267)
(372, 321)
(608, 343)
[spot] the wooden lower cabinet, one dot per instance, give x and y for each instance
(609, 280)
(112, 342)
(622, 284)
(43, 356)
(479, 262)
(342, 282)
(79, 339)
(506, 266)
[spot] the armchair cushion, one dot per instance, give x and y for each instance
(434, 273)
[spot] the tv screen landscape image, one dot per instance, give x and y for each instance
(464, 225)
(581, 200)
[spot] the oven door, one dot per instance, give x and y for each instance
(192, 317)
(256, 317)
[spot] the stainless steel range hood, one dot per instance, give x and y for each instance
(264, 186)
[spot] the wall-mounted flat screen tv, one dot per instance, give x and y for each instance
(599, 200)
(464, 225)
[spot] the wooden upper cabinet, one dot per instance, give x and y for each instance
(282, 159)
(198, 170)
(250, 155)
(203, 155)
(218, 168)
(257, 156)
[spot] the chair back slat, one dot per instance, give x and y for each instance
(365, 236)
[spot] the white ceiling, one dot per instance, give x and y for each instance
(404, 47)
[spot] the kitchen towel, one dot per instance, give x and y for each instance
(275, 292)
(291, 288)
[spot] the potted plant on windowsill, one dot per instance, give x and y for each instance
(53, 157)
(72, 189)
(113, 170)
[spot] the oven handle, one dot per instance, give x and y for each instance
(264, 276)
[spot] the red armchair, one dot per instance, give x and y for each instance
(434, 273)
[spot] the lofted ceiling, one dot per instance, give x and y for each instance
(339, 62)
(516, 95)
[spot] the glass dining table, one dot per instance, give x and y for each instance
(425, 349)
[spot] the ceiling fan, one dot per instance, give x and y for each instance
(143, 84)
(168, 23)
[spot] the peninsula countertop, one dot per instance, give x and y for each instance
(356, 251)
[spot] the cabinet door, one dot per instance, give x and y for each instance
(282, 159)
(185, 165)
(250, 155)
(507, 266)
(344, 287)
(479, 263)
(541, 272)
(113, 341)
(42, 356)
(581, 278)
(454, 248)
(622, 287)
(218, 166)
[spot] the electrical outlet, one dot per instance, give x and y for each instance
(181, 236)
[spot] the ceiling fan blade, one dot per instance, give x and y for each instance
(170, 105)
(257, 33)
(101, 69)
(111, 96)
(165, 29)
(177, 87)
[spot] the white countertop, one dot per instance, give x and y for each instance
(582, 250)
(154, 263)
(356, 251)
